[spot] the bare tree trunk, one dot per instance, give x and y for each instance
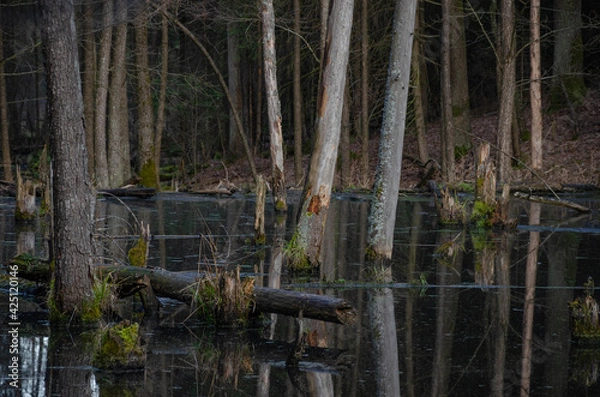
(417, 70)
(146, 165)
(235, 88)
(535, 88)
(273, 105)
(119, 161)
(73, 205)
(298, 118)
(317, 191)
(507, 92)
(461, 111)
(447, 138)
(382, 218)
(100, 155)
(162, 94)
(6, 158)
(89, 81)
(345, 174)
(364, 93)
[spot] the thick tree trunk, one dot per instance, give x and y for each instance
(382, 218)
(73, 205)
(162, 94)
(447, 138)
(364, 93)
(273, 105)
(317, 191)
(100, 150)
(146, 165)
(535, 88)
(418, 73)
(119, 169)
(89, 81)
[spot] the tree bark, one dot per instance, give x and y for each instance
(273, 105)
(298, 117)
(162, 94)
(364, 93)
(447, 138)
(146, 165)
(317, 191)
(507, 91)
(100, 150)
(89, 81)
(119, 160)
(461, 110)
(235, 88)
(73, 205)
(382, 218)
(6, 157)
(535, 88)
(418, 73)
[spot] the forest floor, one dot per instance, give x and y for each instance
(571, 155)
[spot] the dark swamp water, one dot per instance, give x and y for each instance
(489, 318)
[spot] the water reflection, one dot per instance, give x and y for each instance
(467, 313)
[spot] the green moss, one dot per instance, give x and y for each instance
(482, 215)
(148, 176)
(119, 347)
(280, 205)
(137, 253)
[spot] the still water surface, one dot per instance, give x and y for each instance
(466, 314)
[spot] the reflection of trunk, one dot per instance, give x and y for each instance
(529, 304)
(447, 303)
(26, 238)
(562, 268)
(69, 367)
(385, 342)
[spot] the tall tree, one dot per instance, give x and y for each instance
(447, 138)
(568, 84)
(119, 168)
(146, 165)
(6, 157)
(72, 198)
(461, 111)
(298, 118)
(89, 79)
(535, 87)
(364, 92)
(234, 84)
(162, 93)
(317, 191)
(507, 61)
(382, 218)
(273, 105)
(100, 149)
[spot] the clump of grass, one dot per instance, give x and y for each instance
(295, 254)
(585, 314)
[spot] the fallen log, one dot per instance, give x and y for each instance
(552, 201)
(182, 286)
(140, 192)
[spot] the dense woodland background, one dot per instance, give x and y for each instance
(151, 96)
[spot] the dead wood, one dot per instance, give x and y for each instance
(551, 201)
(140, 192)
(182, 286)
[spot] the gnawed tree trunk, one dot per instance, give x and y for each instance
(382, 218)
(182, 286)
(317, 191)
(273, 105)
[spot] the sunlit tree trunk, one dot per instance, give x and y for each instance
(447, 138)
(507, 89)
(461, 111)
(71, 183)
(146, 165)
(119, 168)
(535, 88)
(568, 84)
(317, 191)
(298, 117)
(6, 157)
(382, 218)
(162, 94)
(100, 155)
(273, 105)
(89, 80)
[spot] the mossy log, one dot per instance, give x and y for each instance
(182, 286)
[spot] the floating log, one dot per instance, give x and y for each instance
(182, 286)
(140, 192)
(552, 201)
